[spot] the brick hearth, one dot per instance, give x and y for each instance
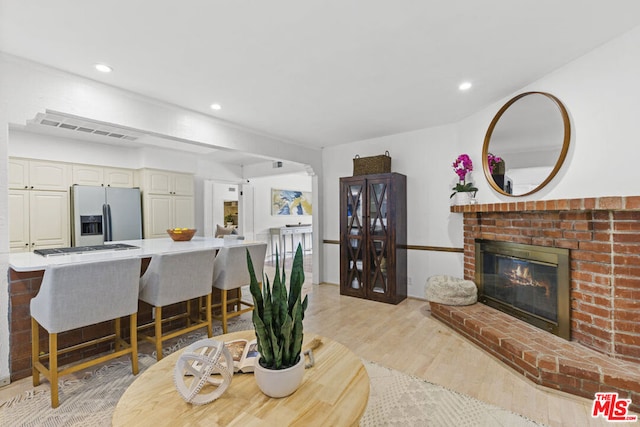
(541, 357)
(603, 235)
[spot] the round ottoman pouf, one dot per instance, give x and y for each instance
(449, 290)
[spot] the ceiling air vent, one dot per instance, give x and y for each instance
(85, 126)
(277, 165)
(49, 122)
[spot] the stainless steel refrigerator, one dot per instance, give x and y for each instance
(105, 214)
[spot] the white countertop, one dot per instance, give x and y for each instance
(28, 261)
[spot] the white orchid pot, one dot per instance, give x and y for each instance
(279, 382)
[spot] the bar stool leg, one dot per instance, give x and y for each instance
(118, 335)
(35, 352)
(224, 311)
(209, 321)
(133, 326)
(189, 313)
(53, 369)
(158, 332)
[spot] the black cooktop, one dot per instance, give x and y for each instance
(82, 249)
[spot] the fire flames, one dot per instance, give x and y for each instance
(520, 276)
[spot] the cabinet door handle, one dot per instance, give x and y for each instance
(26, 186)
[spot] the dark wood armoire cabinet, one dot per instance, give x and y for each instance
(373, 237)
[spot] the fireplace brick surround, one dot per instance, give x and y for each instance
(603, 235)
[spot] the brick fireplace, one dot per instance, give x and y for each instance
(603, 236)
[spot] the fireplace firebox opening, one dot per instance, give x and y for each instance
(531, 283)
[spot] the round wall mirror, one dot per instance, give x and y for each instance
(526, 144)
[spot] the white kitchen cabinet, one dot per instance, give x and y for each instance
(38, 219)
(168, 201)
(38, 175)
(182, 184)
(166, 182)
(102, 176)
(18, 174)
(162, 212)
(19, 216)
(117, 177)
(88, 175)
(183, 212)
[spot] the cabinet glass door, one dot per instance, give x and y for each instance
(355, 235)
(379, 237)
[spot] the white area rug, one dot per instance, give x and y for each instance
(396, 399)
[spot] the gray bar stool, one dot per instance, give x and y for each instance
(230, 271)
(75, 295)
(173, 278)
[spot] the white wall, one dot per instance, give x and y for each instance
(4, 246)
(600, 90)
(419, 155)
(46, 147)
(263, 219)
(31, 88)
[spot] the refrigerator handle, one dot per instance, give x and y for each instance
(106, 214)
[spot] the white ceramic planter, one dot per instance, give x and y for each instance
(279, 383)
(464, 198)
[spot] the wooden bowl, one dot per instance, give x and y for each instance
(181, 234)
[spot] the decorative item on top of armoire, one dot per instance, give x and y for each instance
(464, 191)
(371, 165)
(277, 318)
(373, 237)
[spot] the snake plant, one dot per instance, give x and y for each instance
(277, 316)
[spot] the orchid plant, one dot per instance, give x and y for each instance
(493, 162)
(462, 167)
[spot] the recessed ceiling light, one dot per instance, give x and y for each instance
(216, 106)
(465, 86)
(103, 68)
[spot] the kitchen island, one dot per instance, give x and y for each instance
(144, 248)
(25, 276)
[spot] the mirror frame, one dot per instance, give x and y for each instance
(561, 157)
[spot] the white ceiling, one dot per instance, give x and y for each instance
(317, 72)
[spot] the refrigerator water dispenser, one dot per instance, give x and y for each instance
(90, 225)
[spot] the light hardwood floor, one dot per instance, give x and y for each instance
(405, 337)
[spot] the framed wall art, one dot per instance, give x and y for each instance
(290, 202)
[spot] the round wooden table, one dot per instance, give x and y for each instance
(333, 393)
